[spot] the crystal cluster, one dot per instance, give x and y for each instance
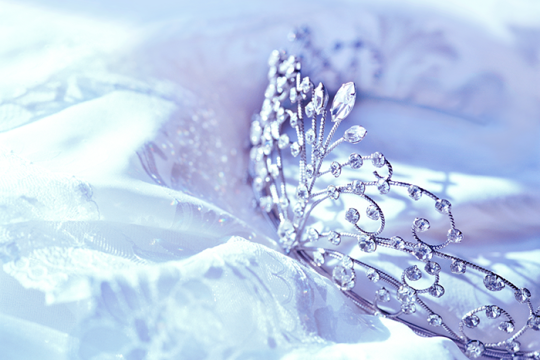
(290, 128)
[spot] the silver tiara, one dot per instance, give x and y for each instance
(289, 204)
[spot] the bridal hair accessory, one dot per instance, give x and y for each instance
(287, 98)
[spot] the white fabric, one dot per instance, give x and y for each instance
(127, 228)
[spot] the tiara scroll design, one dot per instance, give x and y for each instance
(291, 98)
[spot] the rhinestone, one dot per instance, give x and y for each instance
(266, 203)
(458, 267)
(372, 275)
(434, 320)
(358, 187)
(422, 252)
(354, 134)
(320, 98)
(294, 119)
(432, 268)
(454, 235)
(282, 116)
(372, 212)
(356, 161)
(343, 102)
(474, 349)
(283, 141)
(534, 322)
(352, 216)
(471, 321)
(347, 262)
(383, 186)
(310, 171)
(522, 295)
(298, 210)
(493, 311)
(413, 273)
(421, 224)
(302, 192)
(377, 159)
(335, 168)
(306, 85)
(414, 192)
(367, 243)
(281, 82)
(293, 95)
(310, 136)
(286, 231)
(443, 206)
(313, 234)
(268, 145)
(382, 295)
(408, 308)
(406, 294)
(295, 149)
(513, 346)
(310, 110)
(343, 277)
(332, 192)
(397, 242)
(436, 291)
(318, 257)
(493, 283)
(318, 152)
(507, 326)
(334, 238)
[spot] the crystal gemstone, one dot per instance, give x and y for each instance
(354, 134)
(343, 102)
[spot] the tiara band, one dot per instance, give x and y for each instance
(291, 216)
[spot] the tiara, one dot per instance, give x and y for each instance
(289, 196)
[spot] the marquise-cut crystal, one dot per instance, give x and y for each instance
(413, 273)
(352, 215)
(372, 275)
(310, 110)
(382, 295)
(367, 243)
(302, 192)
(397, 242)
(493, 311)
(434, 320)
(320, 98)
(422, 252)
(332, 192)
(372, 212)
(443, 206)
(522, 295)
(471, 321)
(318, 258)
(436, 291)
(414, 192)
(358, 187)
(506, 326)
(343, 102)
(310, 136)
(474, 349)
(295, 149)
(454, 235)
(312, 234)
(283, 141)
(377, 159)
(421, 224)
(354, 134)
(334, 238)
(335, 168)
(383, 186)
(309, 171)
(493, 282)
(534, 322)
(458, 267)
(432, 268)
(356, 161)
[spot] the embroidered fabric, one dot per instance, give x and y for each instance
(123, 142)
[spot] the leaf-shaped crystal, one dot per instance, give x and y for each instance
(355, 134)
(320, 99)
(343, 102)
